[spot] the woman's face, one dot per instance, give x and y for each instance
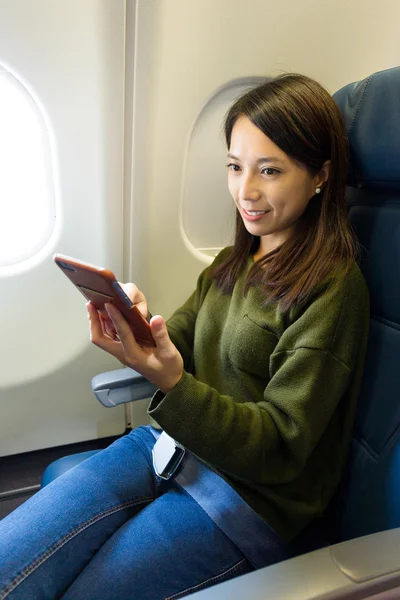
(271, 191)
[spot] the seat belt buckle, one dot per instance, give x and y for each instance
(167, 456)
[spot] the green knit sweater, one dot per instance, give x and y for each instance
(268, 398)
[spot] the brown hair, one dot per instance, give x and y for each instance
(303, 120)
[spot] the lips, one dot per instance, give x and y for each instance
(254, 215)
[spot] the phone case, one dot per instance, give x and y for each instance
(100, 287)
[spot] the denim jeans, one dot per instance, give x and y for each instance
(111, 529)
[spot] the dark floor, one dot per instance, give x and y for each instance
(24, 470)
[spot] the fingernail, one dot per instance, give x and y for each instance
(109, 308)
(157, 322)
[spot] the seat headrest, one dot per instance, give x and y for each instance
(371, 111)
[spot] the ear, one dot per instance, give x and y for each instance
(323, 175)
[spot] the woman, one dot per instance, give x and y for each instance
(258, 376)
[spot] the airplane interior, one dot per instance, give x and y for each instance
(112, 151)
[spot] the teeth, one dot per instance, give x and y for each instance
(254, 213)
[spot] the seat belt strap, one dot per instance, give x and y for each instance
(259, 543)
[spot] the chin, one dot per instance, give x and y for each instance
(258, 231)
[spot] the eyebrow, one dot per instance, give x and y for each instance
(263, 159)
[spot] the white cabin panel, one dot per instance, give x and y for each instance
(186, 52)
(131, 94)
(70, 56)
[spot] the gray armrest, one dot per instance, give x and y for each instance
(355, 569)
(121, 386)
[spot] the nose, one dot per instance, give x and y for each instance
(248, 190)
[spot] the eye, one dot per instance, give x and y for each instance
(233, 167)
(270, 171)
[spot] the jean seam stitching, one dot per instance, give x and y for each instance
(39, 561)
(214, 579)
(142, 450)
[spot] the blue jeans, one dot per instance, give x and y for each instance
(110, 528)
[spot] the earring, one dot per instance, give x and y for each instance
(318, 190)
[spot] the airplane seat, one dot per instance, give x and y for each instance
(110, 388)
(63, 464)
(368, 499)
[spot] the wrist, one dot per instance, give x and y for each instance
(169, 385)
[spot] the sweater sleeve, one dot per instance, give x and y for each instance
(310, 371)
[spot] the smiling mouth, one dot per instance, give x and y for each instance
(255, 213)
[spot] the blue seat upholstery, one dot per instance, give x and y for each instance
(58, 467)
(369, 497)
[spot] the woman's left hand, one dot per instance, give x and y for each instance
(162, 365)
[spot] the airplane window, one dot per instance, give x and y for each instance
(207, 211)
(27, 199)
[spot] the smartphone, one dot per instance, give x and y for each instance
(101, 287)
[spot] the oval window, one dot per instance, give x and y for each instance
(27, 199)
(207, 210)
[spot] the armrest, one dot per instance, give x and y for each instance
(359, 568)
(121, 386)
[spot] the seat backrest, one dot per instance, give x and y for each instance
(369, 496)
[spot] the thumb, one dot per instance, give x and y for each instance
(159, 331)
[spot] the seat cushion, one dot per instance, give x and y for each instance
(60, 466)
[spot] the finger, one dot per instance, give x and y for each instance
(98, 338)
(96, 329)
(96, 324)
(102, 322)
(123, 330)
(111, 331)
(108, 327)
(131, 291)
(136, 297)
(160, 333)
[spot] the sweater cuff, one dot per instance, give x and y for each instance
(155, 401)
(159, 396)
(166, 408)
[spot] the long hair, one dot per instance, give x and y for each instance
(303, 120)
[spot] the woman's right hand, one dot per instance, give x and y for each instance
(136, 297)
